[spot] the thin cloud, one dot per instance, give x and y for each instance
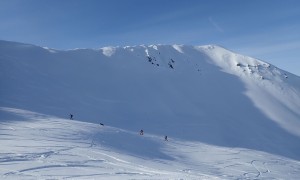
(217, 27)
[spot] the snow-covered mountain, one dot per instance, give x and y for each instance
(208, 100)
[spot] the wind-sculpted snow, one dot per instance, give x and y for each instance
(108, 51)
(268, 87)
(202, 94)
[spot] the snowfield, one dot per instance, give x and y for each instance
(43, 147)
(227, 116)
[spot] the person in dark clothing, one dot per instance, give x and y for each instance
(71, 116)
(166, 138)
(141, 132)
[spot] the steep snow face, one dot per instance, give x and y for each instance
(205, 94)
(272, 90)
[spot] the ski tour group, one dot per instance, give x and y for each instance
(141, 131)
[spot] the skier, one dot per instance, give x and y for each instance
(166, 138)
(71, 116)
(141, 132)
(101, 124)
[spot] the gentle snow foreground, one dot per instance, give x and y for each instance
(43, 147)
(227, 116)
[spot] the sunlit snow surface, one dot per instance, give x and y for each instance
(43, 147)
(227, 116)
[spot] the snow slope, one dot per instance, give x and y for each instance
(208, 100)
(37, 146)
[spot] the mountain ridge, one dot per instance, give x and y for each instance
(199, 93)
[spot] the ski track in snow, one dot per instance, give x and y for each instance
(52, 148)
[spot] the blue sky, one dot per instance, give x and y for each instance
(265, 29)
